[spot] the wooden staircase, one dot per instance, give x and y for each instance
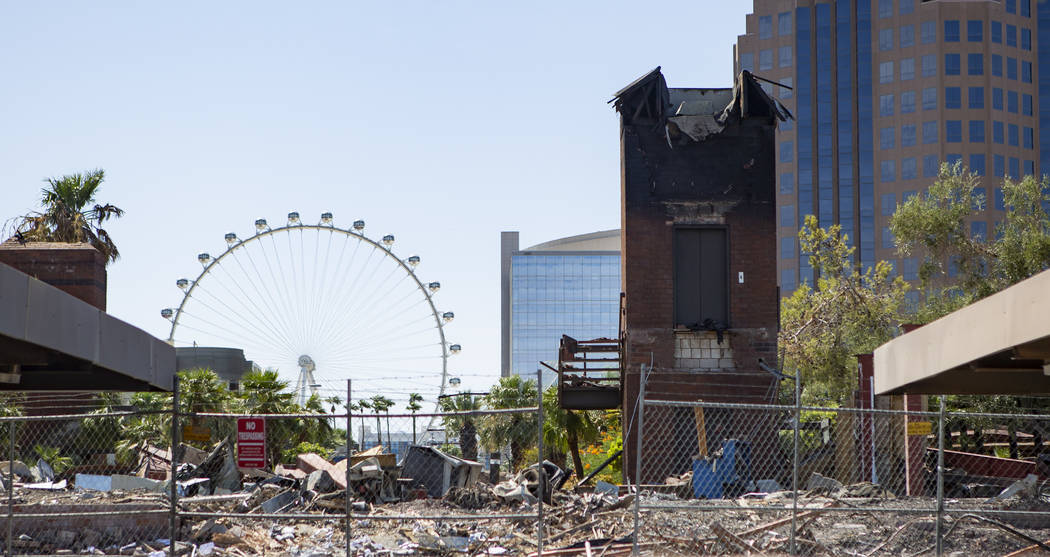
(590, 373)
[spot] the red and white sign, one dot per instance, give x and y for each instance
(251, 442)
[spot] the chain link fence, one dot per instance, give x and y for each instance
(728, 477)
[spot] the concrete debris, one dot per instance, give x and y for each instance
(1025, 487)
(818, 482)
(437, 472)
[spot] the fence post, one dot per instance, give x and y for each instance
(638, 460)
(940, 481)
(542, 473)
(174, 486)
(346, 496)
(11, 433)
(794, 464)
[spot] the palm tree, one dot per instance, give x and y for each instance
(463, 424)
(518, 430)
(564, 430)
(413, 407)
(263, 392)
(381, 403)
(70, 214)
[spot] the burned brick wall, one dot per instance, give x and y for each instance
(696, 159)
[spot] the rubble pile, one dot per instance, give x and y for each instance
(437, 504)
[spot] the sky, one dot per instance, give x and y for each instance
(440, 122)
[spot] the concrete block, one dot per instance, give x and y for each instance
(708, 363)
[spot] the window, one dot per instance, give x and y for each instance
(787, 248)
(975, 63)
(953, 159)
(908, 36)
(929, 65)
(1011, 101)
(1029, 169)
(787, 281)
(1011, 35)
(952, 64)
(997, 65)
(928, 32)
(888, 202)
(1011, 68)
(700, 276)
(784, 23)
(765, 27)
(929, 98)
(1026, 8)
(997, 98)
(974, 30)
(1026, 105)
(976, 131)
(886, 72)
(908, 135)
(979, 230)
(784, 57)
(997, 133)
(976, 97)
(977, 164)
(887, 238)
(888, 170)
(765, 59)
(951, 30)
(787, 151)
(1011, 6)
(886, 105)
(787, 216)
(1026, 39)
(1000, 200)
(885, 8)
(907, 69)
(787, 183)
(929, 132)
(1013, 135)
(1015, 167)
(887, 138)
(999, 165)
(929, 166)
(908, 102)
(910, 268)
(996, 28)
(886, 39)
(909, 168)
(747, 61)
(785, 93)
(907, 6)
(1026, 71)
(953, 131)
(1028, 137)
(952, 97)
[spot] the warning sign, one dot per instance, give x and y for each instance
(251, 442)
(920, 428)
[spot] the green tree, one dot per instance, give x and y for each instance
(564, 430)
(848, 312)
(70, 214)
(464, 426)
(957, 267)
(413, 406)
(201, 390)
(381, 403)
(516, 430)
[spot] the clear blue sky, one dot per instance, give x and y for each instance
(441, 122)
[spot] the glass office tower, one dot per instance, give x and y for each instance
(883, 92)
(569, 286)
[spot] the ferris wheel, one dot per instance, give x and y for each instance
(323, 304)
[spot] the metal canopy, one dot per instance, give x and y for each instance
(998, 345)
(52, 341)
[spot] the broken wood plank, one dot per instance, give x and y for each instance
(731, 540)
(701, 430)
(1024, 550)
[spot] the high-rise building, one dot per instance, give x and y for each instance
(569, 286)
(883, 92)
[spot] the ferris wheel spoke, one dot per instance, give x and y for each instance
(284, 311)
(392, 310)
(267, 290)
(247, 302)
(293, 314)
(319, 290)
(367, 296)
(249, 321)
(265, 314)
(340, 309)
(225, 333)
(373, 335)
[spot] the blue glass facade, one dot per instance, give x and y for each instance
(1043, 15)
(804, 114)
(560, 294)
